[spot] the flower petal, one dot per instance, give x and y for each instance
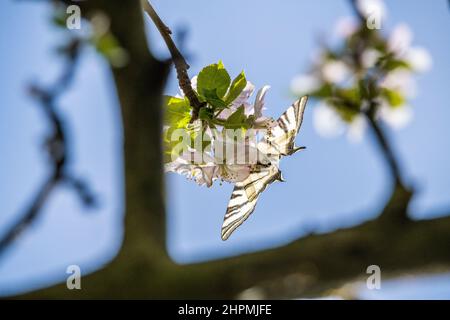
(400, 39)
(259, 101)
(398, 117)
(419, 59)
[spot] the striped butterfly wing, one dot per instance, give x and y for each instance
(244, 197)
(282, 137)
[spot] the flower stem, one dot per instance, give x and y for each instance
(180, 63)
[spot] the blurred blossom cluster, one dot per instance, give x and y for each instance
(97, 33)
(222, 143)
(369, 74)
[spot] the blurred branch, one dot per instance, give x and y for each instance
(385, 146)
(386, 149)
(180, 63)
(379, 133)
(56, 147)
(358, 13)
(307, 267)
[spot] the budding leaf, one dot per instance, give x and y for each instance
(177, 116)
(108, 46)
(394, 98)
(213, 78)
(177, 113)
(390, 63)
(236, 88)
(325, 91)
(213, 99)
(205, 114)
(237, 119)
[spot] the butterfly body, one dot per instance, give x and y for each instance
(278, 142)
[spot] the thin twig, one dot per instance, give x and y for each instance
(385, 146)
(180, 63)
(57, 148)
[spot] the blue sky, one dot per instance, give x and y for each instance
(332, 184)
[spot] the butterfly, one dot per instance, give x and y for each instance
(278, 142)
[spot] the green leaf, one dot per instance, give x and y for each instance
(394, 98)
(236, 88)
(177, 113)
(237, 119)
(347, 114)
(177, 116)
(205, 114)
(390, 63)
(213, 99)
(396, 64)
(325, 91)
(108, 46)
(351, 94)
(213, 77)
(173, 148)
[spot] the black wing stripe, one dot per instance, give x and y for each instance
(243, 203)
(288, 125)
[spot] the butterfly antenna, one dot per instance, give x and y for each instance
(296, 149)
(280, 178)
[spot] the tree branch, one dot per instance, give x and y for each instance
(307, 267)
(180, 63)
(379, 134)
(56, 147)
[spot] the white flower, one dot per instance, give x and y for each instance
(370, 57)
(335, 71)
(217, 163)
(329, 124)
(262, 122)
(357, 129)
(234, 172)
(254, 109)
(208, 169)
(400, 39)
(400, 80)
(399, 43)
(305, 83)
(396, 117)
(203, 172)
(242, 99)
(419, 59)
(345, 27)
(370, 8)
